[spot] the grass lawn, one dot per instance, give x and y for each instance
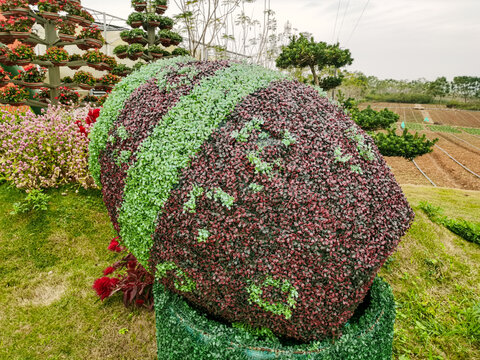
(50, 259)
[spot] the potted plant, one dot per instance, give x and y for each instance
(85, 80)
(67, 96)
(160, 6)
(92, 35)
(22, 55)
(107, 81)
(57, 56)
(4, 77)
(14, 7)
(90, 99)
(135, 51)
(151, 20)
(74, 12)
(74, 58)
(121, 51)
(32, 77)
(180, 52)
(14, 95)
(67, 80)
(121, 70)
(135, 36)
(87, 18)
(94, 59)
(66, 30)
(139, 5)
(49, 9)
(43, 95)
(109, 62)
(157, 52)
(135, 20)
(165, 23)
(165, 37)
(22, 27)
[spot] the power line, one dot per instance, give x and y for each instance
(358, 21)
(336, 18)
(343, 19)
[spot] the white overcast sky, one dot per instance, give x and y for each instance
(400, 39)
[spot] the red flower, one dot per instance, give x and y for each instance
(108, 270)
(92, 116)
(114, 245)
(104, 286)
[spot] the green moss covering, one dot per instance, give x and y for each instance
(185, 333)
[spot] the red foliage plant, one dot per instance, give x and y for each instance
(130, 278)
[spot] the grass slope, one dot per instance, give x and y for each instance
(50, 259)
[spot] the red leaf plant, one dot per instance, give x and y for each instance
(128, 277)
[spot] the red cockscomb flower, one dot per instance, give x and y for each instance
(114, 245)
(104, 286)
(108, 270)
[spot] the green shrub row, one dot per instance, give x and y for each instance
(402, 98)
(465, 229)
(186, 333)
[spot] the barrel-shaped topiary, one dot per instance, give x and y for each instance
(250, 195)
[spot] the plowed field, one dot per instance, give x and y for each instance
(455, 147)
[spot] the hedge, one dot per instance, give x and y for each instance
(184, 332)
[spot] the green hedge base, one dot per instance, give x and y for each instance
(185, 333)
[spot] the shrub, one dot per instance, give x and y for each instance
(250, 195)
(406, 145)
(369, 119)
(465, 229)
(44, 151)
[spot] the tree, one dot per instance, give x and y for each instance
(440, 87)
(302, 52)
(204, 20)
(466, 86)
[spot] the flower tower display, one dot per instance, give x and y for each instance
(65, 23)
(262, 209)
(150, 34)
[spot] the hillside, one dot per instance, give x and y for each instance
(52, 258)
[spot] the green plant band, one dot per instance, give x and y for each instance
(116, 102)
(185, 333)
(172, 145)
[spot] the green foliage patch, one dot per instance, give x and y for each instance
(444, 128)
(467, 230)
(185, 333)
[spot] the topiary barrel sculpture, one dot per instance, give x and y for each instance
(250, 195)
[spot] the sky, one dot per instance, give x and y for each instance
(397, 39)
